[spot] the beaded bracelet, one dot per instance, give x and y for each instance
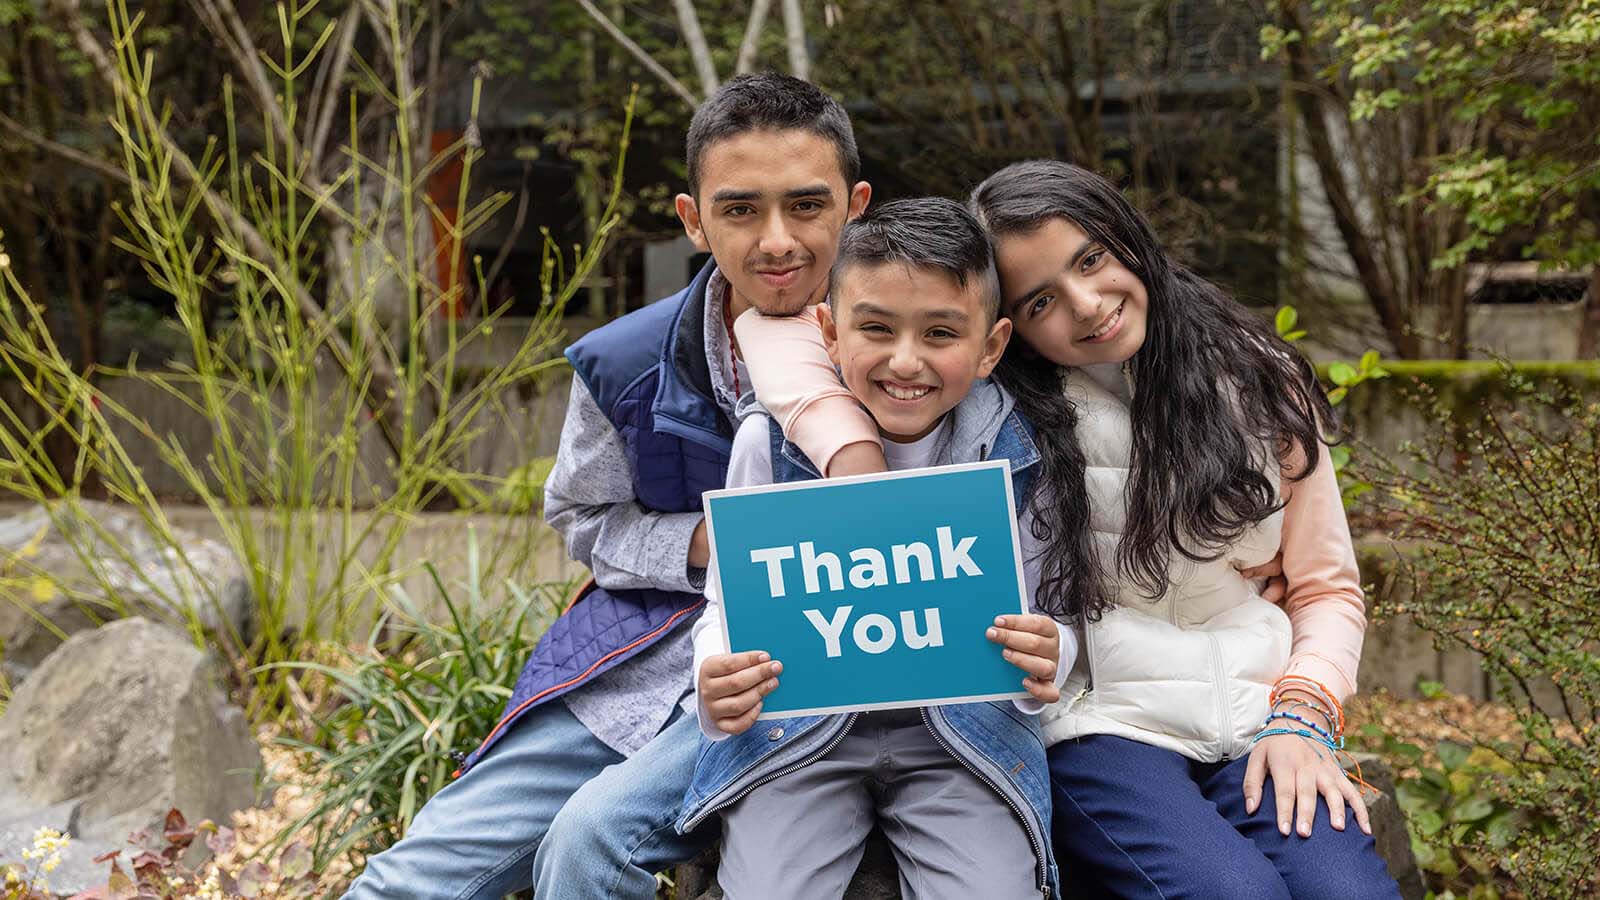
(1314, 738)
(1336, 743)
(1288, 705)
(1318, 691)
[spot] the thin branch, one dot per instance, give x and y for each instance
(523, 196)
(222, 18)
(62, 150)
(329, 87)
(699, 50)
(794, 28)
(639, 53)
(752, 36)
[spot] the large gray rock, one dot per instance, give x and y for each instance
(116, 727)
(1389, 826)
(71, 566)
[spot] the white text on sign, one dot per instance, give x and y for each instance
(869, 567)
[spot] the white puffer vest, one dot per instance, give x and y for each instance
(1189, 672)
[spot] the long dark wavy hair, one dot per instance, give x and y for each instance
(1197, 477)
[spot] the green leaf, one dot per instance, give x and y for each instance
(1428, 822)
(1502, 828)
(1369, 359)
(1341, 373)
(1411, 753)
(1295, 335)
(1432, 690)
(1474, 809)
(1452, 755)
(1336, 396)
(1340, 455)
(1287, 316)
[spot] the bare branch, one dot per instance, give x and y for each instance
(222, 18)
(699, 50)
(329, 87)
(794, 27)
(752, 36)
(510, 243)
(62, 150)
(639, 53)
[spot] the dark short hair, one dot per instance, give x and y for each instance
(927, 233)
(770, 102)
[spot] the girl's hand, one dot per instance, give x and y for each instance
(1301, 769)
(1034, 646)
(732, 685)
(1277, 586)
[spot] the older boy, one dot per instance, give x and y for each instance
(585, 773)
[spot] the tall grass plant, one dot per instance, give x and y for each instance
(339, 401)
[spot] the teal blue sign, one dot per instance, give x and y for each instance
(875, 591)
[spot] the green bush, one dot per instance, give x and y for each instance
(402, 711)
(1502, 510)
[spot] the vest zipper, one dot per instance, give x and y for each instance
(1224, 720)
(1088, 649)
(1038, 850)
(797, 764)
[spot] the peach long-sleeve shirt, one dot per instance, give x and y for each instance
(796, 382)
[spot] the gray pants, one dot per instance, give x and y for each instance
(801, 835)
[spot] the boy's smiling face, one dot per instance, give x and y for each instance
(909, 342)
(770, 206)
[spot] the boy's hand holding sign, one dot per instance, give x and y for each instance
(898, 604)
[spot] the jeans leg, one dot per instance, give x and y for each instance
(473, 839)
(1130, 821)
(617, 831)
(1328, 865)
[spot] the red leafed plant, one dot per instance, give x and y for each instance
(141, 873)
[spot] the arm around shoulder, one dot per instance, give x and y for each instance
(794, 378)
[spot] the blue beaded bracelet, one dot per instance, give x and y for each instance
(1314, 738)
(1336, 743)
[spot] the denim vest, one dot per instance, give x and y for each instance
(648, 374)
(995, 741)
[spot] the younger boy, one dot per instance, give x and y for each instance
(960, 791)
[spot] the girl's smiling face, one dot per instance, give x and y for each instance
(1069, 297)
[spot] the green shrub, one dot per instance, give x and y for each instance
(404, 710)
(1503, 512)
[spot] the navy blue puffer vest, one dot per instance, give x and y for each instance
(648, 374)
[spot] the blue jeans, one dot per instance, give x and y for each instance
(551, 807)
(1131, 820)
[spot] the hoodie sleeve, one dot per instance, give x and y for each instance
(793, 377)
(1324, 600)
